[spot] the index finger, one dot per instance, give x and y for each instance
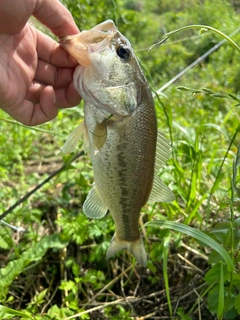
(54, 15)
(50, 51)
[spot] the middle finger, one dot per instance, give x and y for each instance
(47, 74)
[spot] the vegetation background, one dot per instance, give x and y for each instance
(57, 269)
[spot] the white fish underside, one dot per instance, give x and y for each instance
(123, 145)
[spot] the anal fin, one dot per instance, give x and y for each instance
(160, 192)
(93, 206)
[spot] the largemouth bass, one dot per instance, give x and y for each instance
(120, 130)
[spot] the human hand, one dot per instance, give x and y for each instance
(36, 74)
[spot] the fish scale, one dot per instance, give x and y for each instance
(120, 131)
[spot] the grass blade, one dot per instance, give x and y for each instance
(203, 29)
(221, 294)
(53, 133)
(165, 273)
(199, 235)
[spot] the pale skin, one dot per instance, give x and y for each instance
(36, 74)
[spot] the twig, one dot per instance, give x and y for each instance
(123, 284)
(51, 298)
(186, 295)
(106, 304)
(137, 286)
(10, 209)
(108, 285)
(154, 294)
(189, 263)
(147, 316)
(194, 251)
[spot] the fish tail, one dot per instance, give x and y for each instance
(136, 248)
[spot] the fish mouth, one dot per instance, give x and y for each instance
(81, 50)
(81, 46)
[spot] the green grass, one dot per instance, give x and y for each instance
(57, 269)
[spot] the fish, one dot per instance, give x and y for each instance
(120, 131)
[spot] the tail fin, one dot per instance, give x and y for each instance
(136, 248)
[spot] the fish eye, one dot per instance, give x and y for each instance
(123, 53)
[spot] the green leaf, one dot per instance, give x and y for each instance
(222, 232)
(39, 298)
(214, 257)
(53, 311)
(199, 235)
(183, 315)
(237, 303)
(213, 275)
(5, 312)
(212, 299)
(3, 244)
(236, 279)
(67, 285)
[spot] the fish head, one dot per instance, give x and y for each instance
(108, 75)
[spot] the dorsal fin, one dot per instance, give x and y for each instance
(93, 206)
(160, 192)
(74, 137)
(163, 151)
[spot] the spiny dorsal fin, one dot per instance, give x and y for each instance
(93, 206)
(74, 137)
(160, 192)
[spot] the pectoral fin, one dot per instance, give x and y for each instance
(93, 206)
(74, 137)
(99, 135)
